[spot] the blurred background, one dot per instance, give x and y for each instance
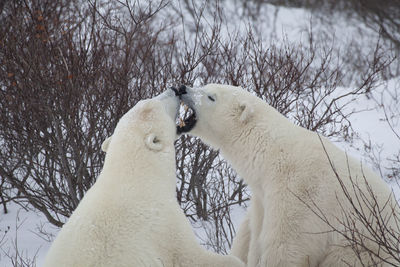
(70, 69)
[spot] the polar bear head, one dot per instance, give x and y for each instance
(217, 111)
(147, 128)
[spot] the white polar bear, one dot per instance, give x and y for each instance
(290, 176)
(130, 216)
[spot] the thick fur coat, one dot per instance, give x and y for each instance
(130, 216)
(294, 174)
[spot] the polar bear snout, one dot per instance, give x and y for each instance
(180, 91)
(170, 102)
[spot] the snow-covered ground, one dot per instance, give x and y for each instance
(22, 229)
(373, 128)
(27, 231)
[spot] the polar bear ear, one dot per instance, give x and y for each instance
(152, 142)
(246, 112)
(105, 144)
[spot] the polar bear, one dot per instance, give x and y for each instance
(294, 175)
(130, 216)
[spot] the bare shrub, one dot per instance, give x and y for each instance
(387, 164)
(67, 77)
(12, 250)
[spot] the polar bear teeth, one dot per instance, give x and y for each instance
(181, 122)
(186, 118)
(184, 113)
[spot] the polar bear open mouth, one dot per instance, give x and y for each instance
(186, 119)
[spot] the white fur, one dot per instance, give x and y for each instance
(287, 169)
(130, 216)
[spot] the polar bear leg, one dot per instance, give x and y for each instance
(345, 256)
(202, 258)
(256, 214)
(222, 261)
(188, 252)
(241, 243)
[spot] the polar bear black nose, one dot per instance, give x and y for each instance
(180, 91)
(175, 91)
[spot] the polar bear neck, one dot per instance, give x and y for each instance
(140, 168)
(262, 143)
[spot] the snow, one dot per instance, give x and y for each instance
(372, 124)
(373, 128)
(238, 215)
(22, 229)
(369, 119)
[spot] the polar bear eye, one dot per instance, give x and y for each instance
(211, 98)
